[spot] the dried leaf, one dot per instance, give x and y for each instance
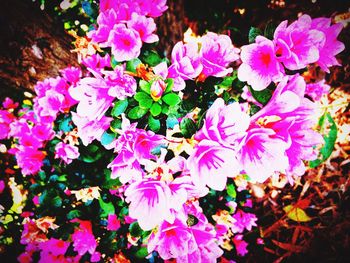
(296, 214)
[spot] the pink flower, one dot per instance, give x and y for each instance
(289, 115)
(172, 240)
(144, 26)
(96, 62)
(71, 74)
(54, 246)
(125, 167)
(224, 124)
(240, 244)
(2, 186)
(217, 53)
(125, 43)
(6, 118)
(9, 104)
(66, 152)
(211, 164)
(262, 154)
(49, 105)
(243, 221)
(29, 159)
(186, 64)
(331, 46)
(259, 64)
(43, 131)
(297, 45)
(156, 7)
(194, 243)
(89, 130)
(83, 239)
(93, 98)
(113, 222)
(119, 84)
(317, 90)
(157, 89)
(147, 199)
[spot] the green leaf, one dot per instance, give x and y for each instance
(156, 109)
(131, 65)
(296, 214)
(144, 100)
(114, 63)
(91, 154)
(153, 123)
(119, 107)
(262, 96)
(73, 214)
(56, 201)
(231, 190)
(137, 113)
(151, 58)
(145, 86)
(135, 230)
(142, 252)
(253, 33)
(227, 82)
(171, 99)
(169, 86)
(188, 127)
(107, 208)
(329, 139)
(269, 30)
(107, 138)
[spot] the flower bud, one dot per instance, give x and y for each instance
(157, 89)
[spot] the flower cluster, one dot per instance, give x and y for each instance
(144, 159)
(293, 47)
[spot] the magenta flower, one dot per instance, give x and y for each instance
(125, 167)
(6, 118)
(113, 223)
(119, 84)
(240, 244)
(156, 7)
(43, 131)
(93, 98)
(147, 199)
(89, 130)
(317, 90)
(331, 46)
(144, 26)
(49, 105)
(243, 221)
(29, 159)
(217, 53)
(172, 240)
(83, 239)
(211, 164)
(186, 64)
(66, 152)
(297, 45)
(262, 154)
(289, 115)
(224, 124)
(125, 43)
(259, 65)
(54, 246)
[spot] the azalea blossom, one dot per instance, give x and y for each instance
(66, 152)
(125, 43)
(217, 52)
(260, 65)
